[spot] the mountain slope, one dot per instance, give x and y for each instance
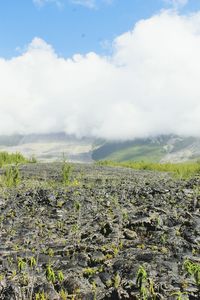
(52, 146)
(49, 147)
(160, 149)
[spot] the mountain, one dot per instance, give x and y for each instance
(49, 147)
(165, 148)
(10, 140)
(52, 146)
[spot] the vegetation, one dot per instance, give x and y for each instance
(66, 172)
(148, 152)
(180, 170)
(132, 150)
(10, 162)
(50, 274)
(141, 277)
(147, 149)
(12, 158)
(193, 269)
(12, 176)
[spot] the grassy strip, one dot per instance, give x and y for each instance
(13, 158)
(180, 170)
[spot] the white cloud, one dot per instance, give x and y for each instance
(177, 3)
(150, 85)
(60, 3)
(43, 2)
(87, 3)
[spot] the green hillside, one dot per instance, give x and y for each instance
(138, 153)
(162, 148)
(137, 150)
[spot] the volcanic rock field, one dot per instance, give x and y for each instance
(111, 233)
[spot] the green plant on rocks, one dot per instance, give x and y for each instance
(143, 293)
(180, 295)
(50, 274)
(66, 172)
(60, 276)
(77, 206)
(192, 269)
(63, 294)
(50, 252)
(10, 158)
(21, 264)
(41, 296)
(141, 277)
(87, 272)
(11, 178)
(32, 262)
(94, 289)
(152, 290)
(116, 280)
(1, 277)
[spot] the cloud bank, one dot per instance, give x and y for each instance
(148, 86)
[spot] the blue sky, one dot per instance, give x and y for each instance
(73, 27)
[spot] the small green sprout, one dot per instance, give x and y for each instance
(141, 277)
(50, 274)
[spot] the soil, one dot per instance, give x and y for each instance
(111, 233)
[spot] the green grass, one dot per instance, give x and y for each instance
(11, 177)
(138, 153)
(136, 150)
(13, 158)
(180, 170)
(10, 162)
(66, 172)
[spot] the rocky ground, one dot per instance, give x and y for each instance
(112, 233)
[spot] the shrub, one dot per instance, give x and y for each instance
(12, 176)
(66, 172)
(14, 158)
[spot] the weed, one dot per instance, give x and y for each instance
(50, 252)
(152, 290)
(11, 177)
(87, 272)
(143, 293)
(63, 294)
(116, 280)
(141, 277)
(11, 158)
(109, 283)
(1, 277)
(94, 289)
(40, 296)
(50, 274)
(193, 269)
(179, 295)
(21, 264)
(77, 206)
(60, 276)
(66, 172)
(32, 262)
(180, 170)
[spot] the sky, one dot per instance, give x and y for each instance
(114, 69)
